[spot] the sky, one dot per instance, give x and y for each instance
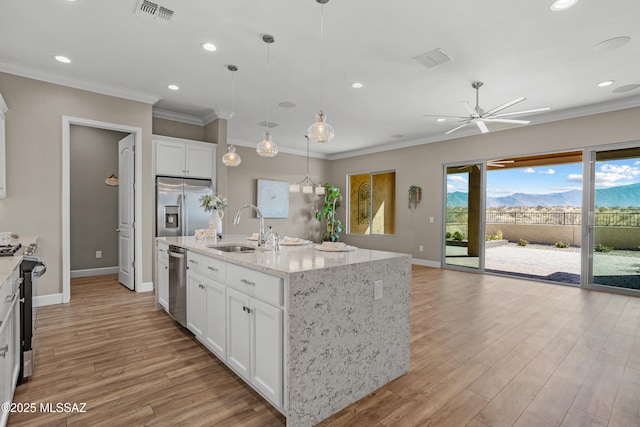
(551, 179)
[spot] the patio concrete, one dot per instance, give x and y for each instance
(617, 268)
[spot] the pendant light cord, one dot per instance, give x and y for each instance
(267, 90)
(321, 57)
(233, 76)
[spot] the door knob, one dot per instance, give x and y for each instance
(118, 230)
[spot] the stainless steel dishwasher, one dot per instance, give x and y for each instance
(178, 284)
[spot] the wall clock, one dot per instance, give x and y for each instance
(273, 198)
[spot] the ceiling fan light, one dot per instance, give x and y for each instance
(267, 148)
(231, 158)
(320, 131)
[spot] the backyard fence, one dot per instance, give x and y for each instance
(604, 219)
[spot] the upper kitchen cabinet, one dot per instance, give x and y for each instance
(182, 157)
(3, 156)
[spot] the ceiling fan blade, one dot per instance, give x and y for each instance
(470, 109)
(455, 129)
(503, 106)
(515, 113)
(441, 116)
(483, 127)
(517, 122)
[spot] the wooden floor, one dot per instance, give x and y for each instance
(485, 351)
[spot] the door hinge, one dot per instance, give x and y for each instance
(133, 264)
(133, 185)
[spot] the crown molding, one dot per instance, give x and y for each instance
(116, 91)
(242, 143)
(159, 113)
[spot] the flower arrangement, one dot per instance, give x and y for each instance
(211, 202)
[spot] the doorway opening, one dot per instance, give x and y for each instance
(136, 134)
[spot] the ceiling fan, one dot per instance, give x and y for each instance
(479, 116)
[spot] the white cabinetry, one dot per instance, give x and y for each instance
(163, 276)
(9, 341)
(206, 302)
(180, 157)
(255, 329)
(3, 155)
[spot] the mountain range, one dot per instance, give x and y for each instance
(624, 196)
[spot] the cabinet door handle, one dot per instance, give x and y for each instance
(166, 268)
(213, 269)
(248, 282)
(4, 350)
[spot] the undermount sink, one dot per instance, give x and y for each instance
(232, 248)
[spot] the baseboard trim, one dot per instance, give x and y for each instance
(42, 300)
(426, 263)
(94, 272)
(145, 287)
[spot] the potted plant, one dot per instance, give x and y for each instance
(332, 201)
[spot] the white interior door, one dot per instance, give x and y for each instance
(126, 216)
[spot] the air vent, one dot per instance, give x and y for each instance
(264, 124)
(154, 11)
(433, 58)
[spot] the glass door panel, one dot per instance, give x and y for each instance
(464, 240)
(614, 219)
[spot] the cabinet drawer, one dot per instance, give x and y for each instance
(256, 284)
(210, 267)
(163, 252)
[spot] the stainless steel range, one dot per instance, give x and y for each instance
(31, 269)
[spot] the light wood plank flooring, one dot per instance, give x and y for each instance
(485, 351)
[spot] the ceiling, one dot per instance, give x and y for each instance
(517, 48)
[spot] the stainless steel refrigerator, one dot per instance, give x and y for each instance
(178, 211)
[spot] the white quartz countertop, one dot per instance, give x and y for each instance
(9, 263)
(289, 259)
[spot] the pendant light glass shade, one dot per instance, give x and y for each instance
(321, 131)
(231, 158)
(267, 148)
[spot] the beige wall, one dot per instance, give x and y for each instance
(242, 186)
(94, 204)
(34, 166)
(178, 129)
(422, 166)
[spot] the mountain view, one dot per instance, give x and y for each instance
(625, 196)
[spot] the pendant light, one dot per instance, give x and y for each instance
(267, 148)
(231, 158)
(307, 184)
(321, 131)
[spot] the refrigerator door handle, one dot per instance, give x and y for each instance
(183, 214)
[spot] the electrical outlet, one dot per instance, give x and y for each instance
(421, 248)
(98, 254)
(377, 289)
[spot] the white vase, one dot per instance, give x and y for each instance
(216, 221)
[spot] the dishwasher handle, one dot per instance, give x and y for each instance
(176, 255)
(38, 270)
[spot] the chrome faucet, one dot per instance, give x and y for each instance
(236, 221)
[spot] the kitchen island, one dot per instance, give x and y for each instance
(341, 338)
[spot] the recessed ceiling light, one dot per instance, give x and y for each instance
(559, 5)
(210, 47)
(62, 59)
(356, 85)
(606, 83)
(173, 87)
(611, 44)
(440, 120)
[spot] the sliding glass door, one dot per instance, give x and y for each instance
(464, 211)
(612, 258)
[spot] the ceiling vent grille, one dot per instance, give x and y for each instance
(433, 58)
(154, 11)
